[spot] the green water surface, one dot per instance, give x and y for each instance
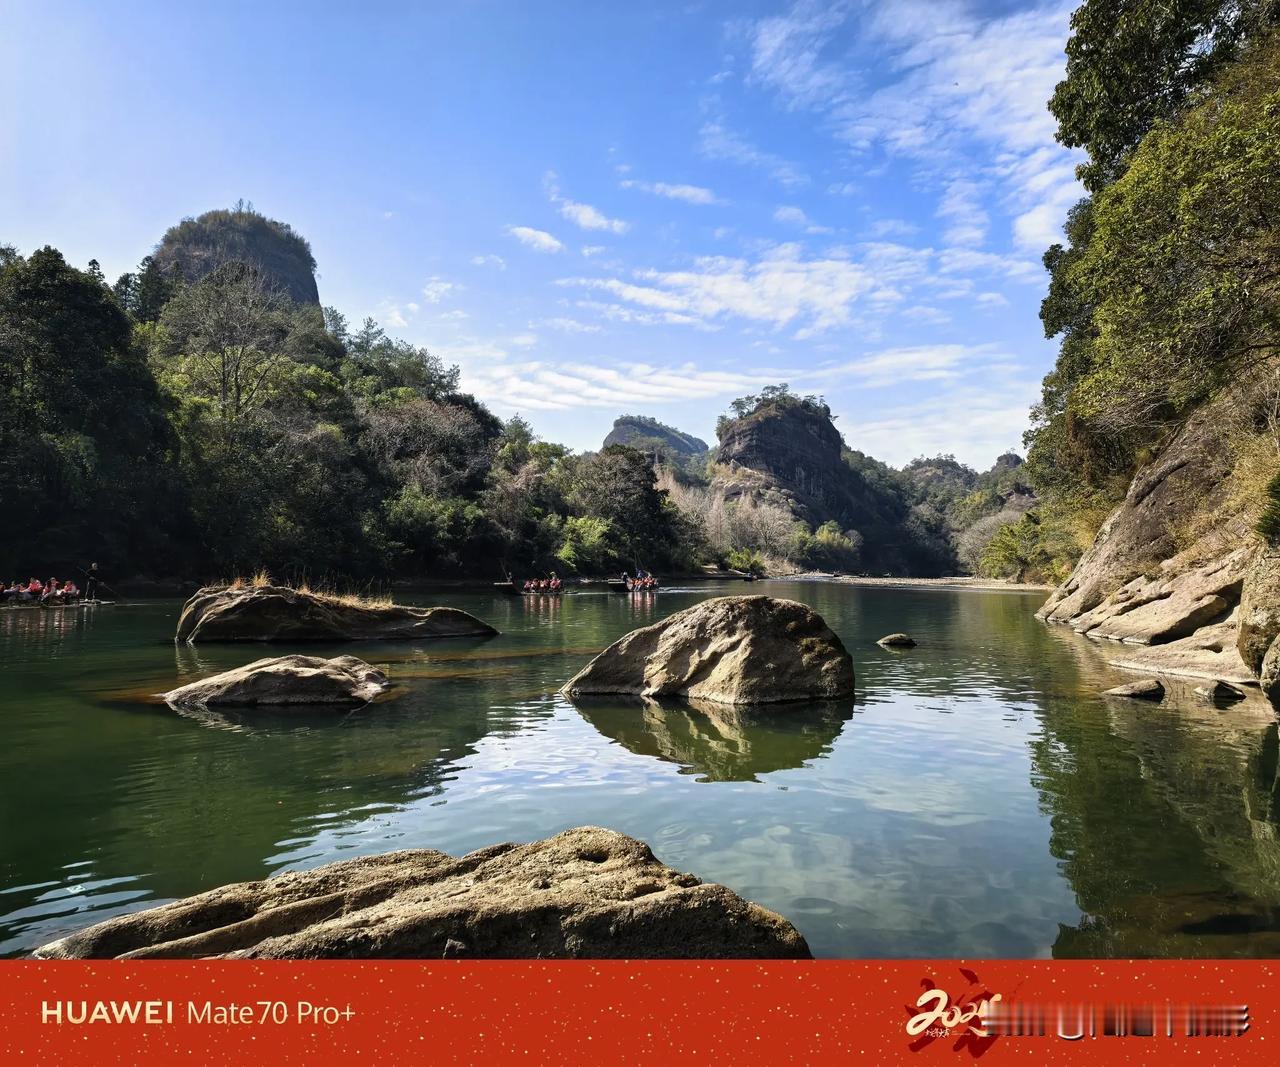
(978, 797)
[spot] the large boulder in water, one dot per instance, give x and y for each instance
(585, 893)
(731, 650)
(285, 680)
(277, 613)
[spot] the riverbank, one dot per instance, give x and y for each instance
(957, 582)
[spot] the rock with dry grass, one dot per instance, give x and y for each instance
(263, 612)
(731, 650)
(284, 681)
(587, 893)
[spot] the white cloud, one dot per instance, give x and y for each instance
(583, 215)
(568, 325)
(525, 340)
(592, 250)
(976, 423)
(489, 261)
(778, 289)
(794, 216)
(717, 141)
(690, 194)
(786, 53)
(561, 386)
(961, 207)
(437, 289)
(959, 81)
(539, 240)
(590, 218)
(893, 228)
(992, 300)
(926, 314)
(842, 189)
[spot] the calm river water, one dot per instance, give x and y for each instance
(977, 798)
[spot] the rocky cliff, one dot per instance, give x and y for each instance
(642, 432)
(789, 454)
(1176, 575)
(197, 247)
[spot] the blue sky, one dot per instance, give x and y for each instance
(594, 208)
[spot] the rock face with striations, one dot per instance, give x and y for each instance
(1200, 595)
(731, 650)
(790, 455)
(285, 680)
(587, 893)
(277, 613)
(197, 247)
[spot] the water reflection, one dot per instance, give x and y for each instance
(720, 742)
(989, 802)
(1165, 821)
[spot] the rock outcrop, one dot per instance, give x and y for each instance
(585, 893)
(1174, 569)
(897, 641)
(1258, 640)
(789, 454)
(1141, 537)
(1146, 689)
(638, 431)
(285, 680)
(731, 650)
(195, 248)
(276, 613)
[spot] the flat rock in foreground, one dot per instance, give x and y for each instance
(731, 650)
(285, 680)
(586, 893)
(277, 613)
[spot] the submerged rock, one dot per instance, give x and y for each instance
(731, 650)
(277, 613)
(285, 680)
(1220, 692)
(585, 893)
(897, 641)
(1146, 689)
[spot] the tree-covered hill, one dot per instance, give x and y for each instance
(194, 248)
(650, 435)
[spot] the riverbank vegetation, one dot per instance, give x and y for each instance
(1165, 294)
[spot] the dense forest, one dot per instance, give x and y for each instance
(1165, 294)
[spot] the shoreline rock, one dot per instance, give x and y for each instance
(730, 650)
(586, 893)
(897, 641)
(1144, 689)
(284, 680)
(277, 613)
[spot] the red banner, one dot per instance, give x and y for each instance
(924, 1012)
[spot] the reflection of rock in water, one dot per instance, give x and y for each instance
(1166, 820)
(721, 742)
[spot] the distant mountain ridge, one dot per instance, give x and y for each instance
(641, 431)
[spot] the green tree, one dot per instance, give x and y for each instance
(1134, 63)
